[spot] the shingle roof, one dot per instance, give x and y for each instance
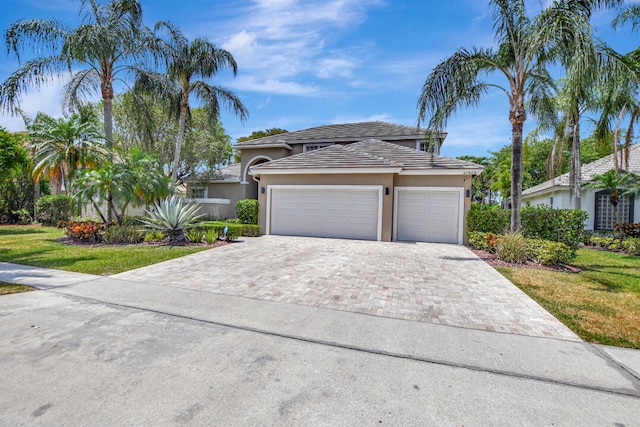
(368, 154)
(348, 132)
(597, 167)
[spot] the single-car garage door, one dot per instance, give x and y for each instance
(423, 214)
(349, 212)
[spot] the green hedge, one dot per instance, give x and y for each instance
(52, 210)
(538, 222)
(488, 219)
(247, 211)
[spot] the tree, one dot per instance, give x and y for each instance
(481, 184)
(186, 61)
(63, 146)
(206, 145)
(525, 47)
(110, 39)
(137, 179)
(618, 185)
(262, 133)
(16, 185)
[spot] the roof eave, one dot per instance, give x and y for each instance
(312, 171)
(471, 172)
(250, 147)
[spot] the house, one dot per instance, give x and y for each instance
(557, 193)
(370, 180)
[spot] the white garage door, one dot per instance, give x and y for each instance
(428, 214)
(349, 212)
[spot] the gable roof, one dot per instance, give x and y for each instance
(368, 156)
(597, 167)
(348, 132)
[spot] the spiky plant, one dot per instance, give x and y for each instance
(172, 218)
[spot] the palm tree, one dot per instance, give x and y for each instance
(137, 179)
(103, 47)
(64, 146)
(618, 185)
(186, 61)
(525, 47)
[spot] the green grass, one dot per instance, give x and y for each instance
(12, 288)
(39, 246)
(601, 304)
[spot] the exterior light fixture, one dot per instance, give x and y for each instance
(262, 190)
(386, 191)
(468, 193)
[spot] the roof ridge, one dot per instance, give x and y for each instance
(355, 149)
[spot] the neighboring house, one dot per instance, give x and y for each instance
(370, 180)
(557, 193)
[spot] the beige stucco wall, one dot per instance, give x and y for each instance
(384, 180)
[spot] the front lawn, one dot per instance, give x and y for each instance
(39, 246)
(601, 303)
(12, 288)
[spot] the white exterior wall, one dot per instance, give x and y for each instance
(562, 200)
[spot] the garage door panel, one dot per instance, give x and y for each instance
(325, 212)
(427, 215)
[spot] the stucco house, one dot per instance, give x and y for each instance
(557, 193)
(370, 180)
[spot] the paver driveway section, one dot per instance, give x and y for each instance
(437, 283)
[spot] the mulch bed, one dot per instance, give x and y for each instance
(493, 261)
(75, 242)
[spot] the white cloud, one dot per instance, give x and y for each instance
(280, 42)
(47, 99)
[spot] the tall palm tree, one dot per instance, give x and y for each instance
(187, 61)
(64, 146)
(525, 47)
(103, 47)
(618, 184)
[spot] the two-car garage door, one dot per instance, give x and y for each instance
(348, 212)
(420, 214)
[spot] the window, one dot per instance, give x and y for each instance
(197, 193)
(604, 210)
(421, 145)
(312, 147)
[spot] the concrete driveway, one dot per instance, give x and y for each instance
(175, 350)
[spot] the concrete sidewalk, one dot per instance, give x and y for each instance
(98, 350)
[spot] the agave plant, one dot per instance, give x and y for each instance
(172, 218)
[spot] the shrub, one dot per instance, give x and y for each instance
(512, 247)
(488, 219)
(195, 235)
(85, 231)
(250, 230)
(153, 236)
(136, 220)
(211, 236)
(630, 229)
(478, 240)
(232, 221)
(631, 245)
(53, 209)
(558, 225)
(172, 218)
(609, 243)
(247, 211)
(117, 234)
(546, 252)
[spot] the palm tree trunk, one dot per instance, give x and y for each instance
(107, 110)
(517, 116)
(184, 106)
(575, 175)
(629, 136)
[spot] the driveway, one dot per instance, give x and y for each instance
(424, 282)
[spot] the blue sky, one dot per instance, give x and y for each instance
(309, 63)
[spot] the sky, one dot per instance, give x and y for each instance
(305, 63)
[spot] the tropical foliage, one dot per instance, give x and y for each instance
(172, 217)
(618, 184)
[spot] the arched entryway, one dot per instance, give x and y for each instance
(247, 179)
